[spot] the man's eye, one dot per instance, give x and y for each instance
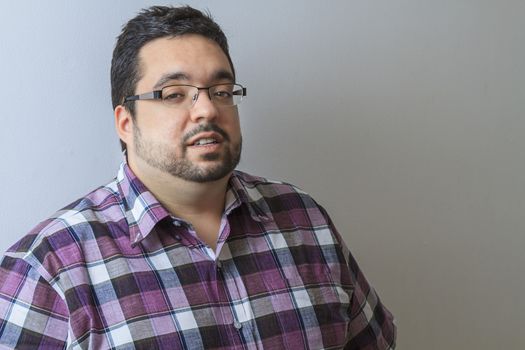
(223, 94)
(173, 96)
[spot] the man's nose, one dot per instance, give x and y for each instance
(202, 106)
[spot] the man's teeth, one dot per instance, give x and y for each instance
(204, 142)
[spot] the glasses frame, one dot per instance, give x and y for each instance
(157, 94)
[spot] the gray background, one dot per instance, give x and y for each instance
(404, 118)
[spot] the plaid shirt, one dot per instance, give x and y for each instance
(114, 270)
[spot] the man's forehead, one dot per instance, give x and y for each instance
(184, 77)
(187, 57)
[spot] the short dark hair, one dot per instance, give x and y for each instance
(152, 23)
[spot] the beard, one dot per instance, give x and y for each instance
(164, 157)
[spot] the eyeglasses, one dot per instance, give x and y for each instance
(185, 96)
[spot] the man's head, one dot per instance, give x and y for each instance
(162, 47)
(152, 23)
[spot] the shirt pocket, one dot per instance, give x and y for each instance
(309, 277)
(311, 281)
(304, 299)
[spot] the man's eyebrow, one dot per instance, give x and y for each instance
(169, 77)
(223, 75)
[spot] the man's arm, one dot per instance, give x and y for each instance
(371, 325)
(32, 314)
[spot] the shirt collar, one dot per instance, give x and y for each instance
(245, 189)
(143, 211)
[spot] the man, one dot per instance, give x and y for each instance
(181, 251)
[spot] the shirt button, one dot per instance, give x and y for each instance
(176, 223)
(237, 325)
(178, 237)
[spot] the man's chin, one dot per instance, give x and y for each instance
(210, 157)
(206, 167)
(203, 170)
(207, 175)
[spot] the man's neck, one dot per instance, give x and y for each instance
(182, 198)
(200, 204)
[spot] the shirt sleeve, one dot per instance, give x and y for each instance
(32, 314)
(371, 325)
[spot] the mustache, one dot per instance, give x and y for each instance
(205, 128)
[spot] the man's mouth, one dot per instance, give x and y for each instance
(205, 141)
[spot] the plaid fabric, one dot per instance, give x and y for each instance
(115, 271)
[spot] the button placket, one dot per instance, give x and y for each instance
(232, 293)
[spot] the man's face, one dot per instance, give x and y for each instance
(166, 138)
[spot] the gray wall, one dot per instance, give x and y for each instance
(403, 118)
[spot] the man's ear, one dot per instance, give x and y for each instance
(123, 124)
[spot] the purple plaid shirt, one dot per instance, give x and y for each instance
(114, 270)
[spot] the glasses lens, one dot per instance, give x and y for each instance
(226, 94)
(179, 95)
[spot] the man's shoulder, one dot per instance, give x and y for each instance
(273, 195)
(266, 187)
(98, 207)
